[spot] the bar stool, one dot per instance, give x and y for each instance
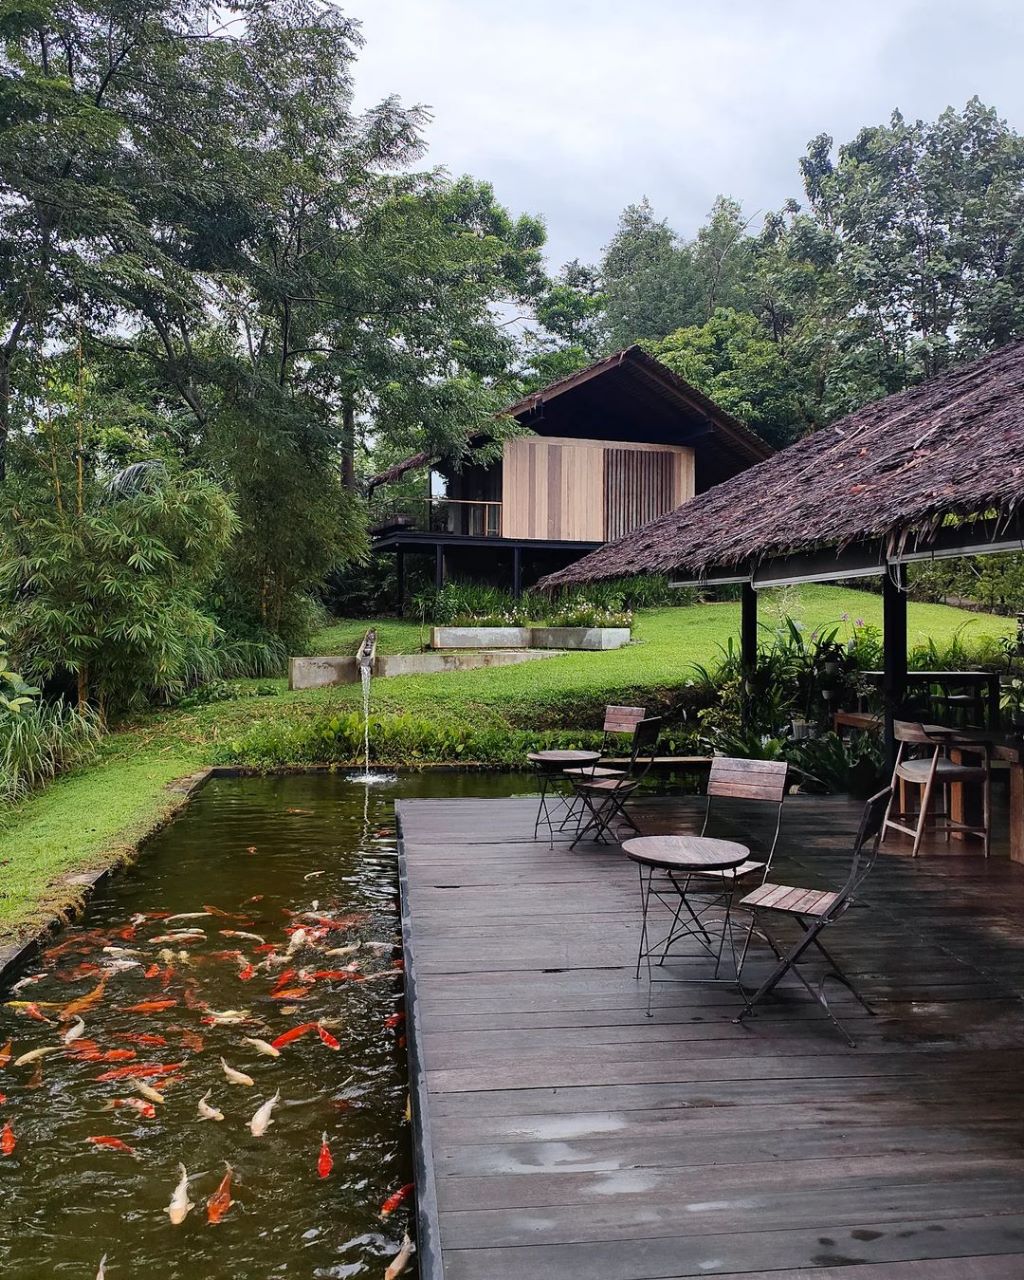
(930, 767)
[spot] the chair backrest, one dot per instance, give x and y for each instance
(622, 719)
(759, 780)
(748, 779)
(865, 846)
(645, 745)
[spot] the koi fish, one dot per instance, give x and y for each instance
(351, 949)
(102, 1273)
(312, 875)
(3, 1099)
(127, 934)
(256, 897)
(227, 1017)
(121, 951)
(34, 1055)
(239, 933)
(396, 1200)
(113, 1144)
(147, 1091)
(220, 1202)
(224, 915)
(87, 1001)
(178, 939)
(261, 1120)
(395, 1020)
(26, 982)
(192, 1040)
(192, 1001)
(151, 1006)
(333, 975)
(326, 1038)
(7, 1140)
(290, 993)
(31, 1009)
(188, 915)
(206, 1111)
(180, 1206)
(284, 979)
(85, 1051)
(288, 1036)
(145, 1109)
(261, 1046)
(84, 970)
(139, 1069)
(325, 1163)
(5, 1053)
(250, 848)
(36, 1080)
(266, 947)
(118, 1055)
(400, 1262)
(298, 939)
(236, 1077)
(151, 1041)
(152, 972)
(247, 972)
(73, 1034)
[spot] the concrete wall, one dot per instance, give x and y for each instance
(580, 637)
(314, 673)
(480, 637)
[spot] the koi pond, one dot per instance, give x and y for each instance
(231, 1007)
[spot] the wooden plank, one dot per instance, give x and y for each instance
(574, 1137)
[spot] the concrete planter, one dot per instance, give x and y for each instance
(314, 673)
(579, 637)
(480, 637)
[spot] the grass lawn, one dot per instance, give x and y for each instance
(75, 822)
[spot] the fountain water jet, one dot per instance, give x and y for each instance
(366, 656)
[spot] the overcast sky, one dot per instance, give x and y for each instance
(575, 108)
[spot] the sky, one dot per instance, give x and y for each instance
(574, 109)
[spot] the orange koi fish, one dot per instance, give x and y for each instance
(326, 1038)
(113, 1144)
(192, 1001)
(85, 1050)
(284, 979)
(256, 897)
(224, 915)
(394, 1201)
(85, 1002)
(36, 1079)
(326, 1163)
(7, 1140)
(127, 934)
(155, 1042)
(140, 1069)
(118, 1055)
(395, 1020)
(220, 1202)
(289, 1036)
(5, 1053)
(290, 993)
(192, 1040)
(334, 975)
(3, 1099)
(145, 1109)
(84, 970)
(247, 972)
(152, 972)
(150, 1006)
(33, 1011)
(266, 947)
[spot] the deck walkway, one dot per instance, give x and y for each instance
(569, 1137)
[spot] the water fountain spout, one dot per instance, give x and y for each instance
(366, 658)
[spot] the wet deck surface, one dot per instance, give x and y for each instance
(573, 1137)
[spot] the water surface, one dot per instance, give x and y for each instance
(263, 850)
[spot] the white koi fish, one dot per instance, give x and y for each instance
(350, 950)
(249, 937)
(121, 951)
(208, 1112)
(237, 1077)
(34, 1055)
(261, 1121)
(147, 1091)
(180, 1206)
(22, 983)
(298, 939)
(228, 1017)
(262, 1046)
(186, 915)
(72, 1035)
(102, 1273)
(400, 1262)
(312, 875)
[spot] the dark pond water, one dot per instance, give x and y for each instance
(267, 851)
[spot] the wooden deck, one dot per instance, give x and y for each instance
(566, 1135)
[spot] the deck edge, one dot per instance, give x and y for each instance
(428, 1226)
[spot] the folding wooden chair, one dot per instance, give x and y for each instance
(814, 910)
(933, 770)
(604, 799)
(761, 781)
(619, 722)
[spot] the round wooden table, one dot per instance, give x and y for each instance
(684, 858)
(551, 766)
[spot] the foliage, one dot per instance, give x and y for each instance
(605, 604)
(102, 580)
(996, 582)
(40, 741)
(827, 763)
(15, 693)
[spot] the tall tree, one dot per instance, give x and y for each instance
(648, 277)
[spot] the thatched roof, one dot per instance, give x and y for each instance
(895, 468)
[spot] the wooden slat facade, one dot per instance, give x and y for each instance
(569, 1137)
(589, 490)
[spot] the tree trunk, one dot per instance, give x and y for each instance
(5, 412)
(348, 446)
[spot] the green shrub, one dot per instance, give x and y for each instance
(40, 741)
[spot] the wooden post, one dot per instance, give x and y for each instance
(400, 575)
(748, 640)
(894, 627)
(517, 571)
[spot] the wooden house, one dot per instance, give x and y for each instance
(609, 449)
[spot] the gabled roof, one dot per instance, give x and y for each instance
(892, 470)
(631, 375)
